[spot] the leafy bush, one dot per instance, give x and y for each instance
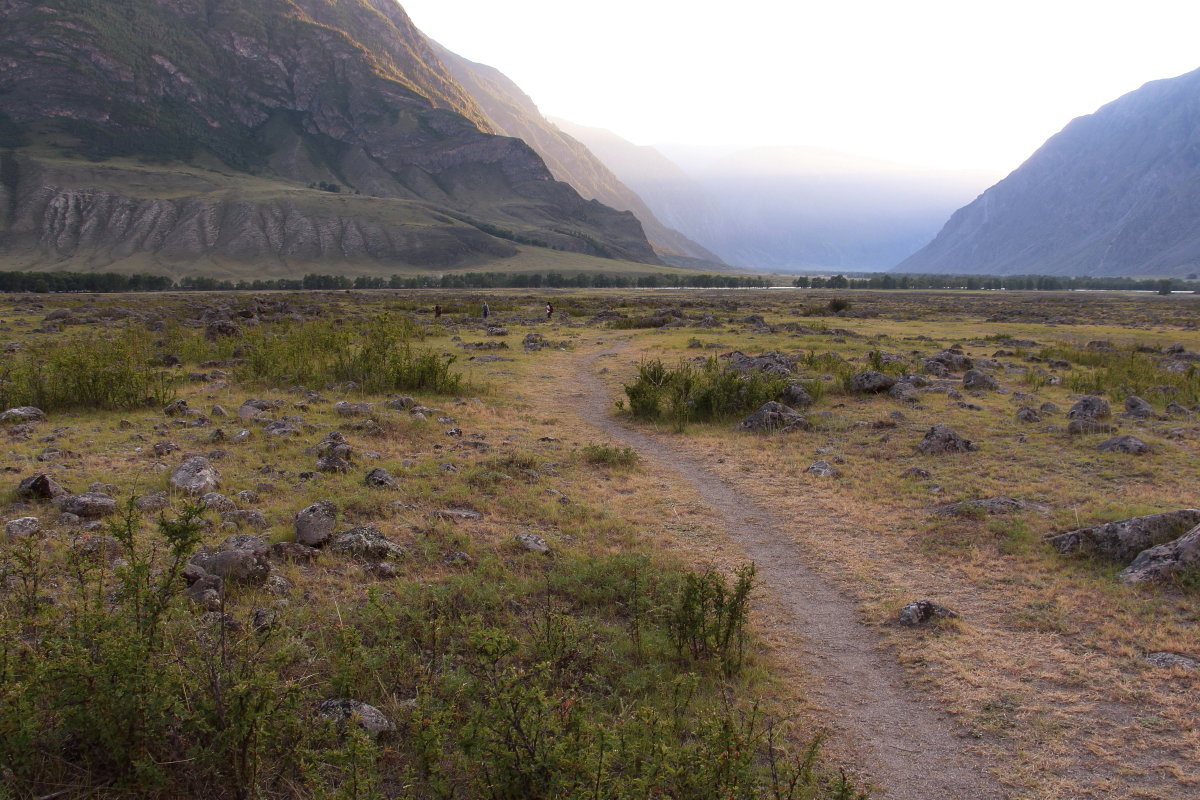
(610, 456)
(706, 393)
(85, 372)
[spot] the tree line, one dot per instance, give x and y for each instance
(1039, 283)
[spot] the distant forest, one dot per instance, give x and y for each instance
(39, 282)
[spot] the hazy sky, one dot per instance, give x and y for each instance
(944, 83)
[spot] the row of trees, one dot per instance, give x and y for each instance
(1041, 283)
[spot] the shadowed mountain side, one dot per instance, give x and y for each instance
(511, 112)
(346, 97)
(1116, 192)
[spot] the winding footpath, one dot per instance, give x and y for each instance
(908, 748)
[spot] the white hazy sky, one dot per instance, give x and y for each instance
(959, 84)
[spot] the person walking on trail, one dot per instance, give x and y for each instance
(437, 312)
(485, 310)
(549, 311)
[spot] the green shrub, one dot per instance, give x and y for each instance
(688, 393)
(610, 456)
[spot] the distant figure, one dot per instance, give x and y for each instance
(437, 312)
(485, 310)
(549, 311)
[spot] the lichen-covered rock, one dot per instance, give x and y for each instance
(88, 505)
(1161, 562)
(366, 543)
(533, 543)
(40, 487)
(981, 381)
(1124, 444)
(822, 469)
(22, 526)
(314, 524)
(1124, 539)
(923, 612)
(195, 476)
(990, 506)
(773, 416)
(1084, 426)
(342, 711)
(942, 439)
(380, 477)
(1090, 407)
(235, 566)
(870, 381)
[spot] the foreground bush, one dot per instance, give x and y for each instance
(706, 393)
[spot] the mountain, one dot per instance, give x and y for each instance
(188, 133)
(1116, 192)
(511, 112)
(787, 207)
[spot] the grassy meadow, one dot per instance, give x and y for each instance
(559, 617)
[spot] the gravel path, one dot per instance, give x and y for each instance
(908, 748)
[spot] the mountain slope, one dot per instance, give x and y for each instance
(1116, 192)
(512, 113)
(294, 94)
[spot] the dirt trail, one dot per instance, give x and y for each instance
(908, 748)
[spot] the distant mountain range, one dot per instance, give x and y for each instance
(189, 135)
(787, 208)
(1116, 192)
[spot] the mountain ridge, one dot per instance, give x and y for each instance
(1115, 192)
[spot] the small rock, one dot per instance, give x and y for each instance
(917, 473)
(457, 515)
(822, 469)
(217, 502)
(1084, 426)
(314, 524)
(1165, 660)
(22, 526)
(247, 518)
(1161, 562)
(1090, 407)
(333, 464)
(341, 711)
(41, 487)
(1027, 414)
(155, 501)
(367, 543)
(773, 416)
(532, 542)
(974, 379)
(1137, 407)
(871, 382)
(991, 505)
(942, 439)
(196, 476)
(89, 505)
(293, 551)
(923, 612)
(382, 478)
(234, 566)
(1124, 444)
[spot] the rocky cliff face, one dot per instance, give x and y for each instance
(1115, 193)
(512, 113)
(293, 93)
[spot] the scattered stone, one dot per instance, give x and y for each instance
(917, 473)
(380, 477)
(1137, 407)
(1124, 539)
(532, 542)
(96, 548)
(196, 476)
(458, 515)
(991, 505)
(234, 566)
(341, 711)
(871, 382)
(177, 408)
(942, 439)
(974, 379)
(280, 427)
(22, 415)
(1165, 660)
(155, 501)
(773, 416)
(1027, 414)
(246, 519)
(22, 526)
(1161, 562)
(922, 612)
(1124, 444)
(822, 469)
(217, 502)
(40, 487)
(89, 505)
(314, 524)
(246, 541)
(293, 551)
(367, 543)
(795, 396)
(384, 570)
(1176, 410)
(1090, 407)
(206, 591)
(346, 409)
(457, 558)
(401, 403)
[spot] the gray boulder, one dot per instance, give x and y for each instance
(235, 566)
(923, 612)
(942, 439)
(195, 476)
(870, 381)
(822, 469)
(1084, 426)
(795, 396)
(1165, 660)
(21, 415)
(1027, 414)
(1124, 539)
(343, 711)
(532, 542)
(1124, 444)
(1090, 407)
(246, 541)
(380, 477)
(217, 502)
(1163, 561)
(347, 409)
(314, 524)
(332, 464)
(22, 526)
(89, 505)
(293, 551)
(246, 518)
(40, 487)
(773, 416)
(155, 501)
(366, 543)
(974, 379)
(1137, 407)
